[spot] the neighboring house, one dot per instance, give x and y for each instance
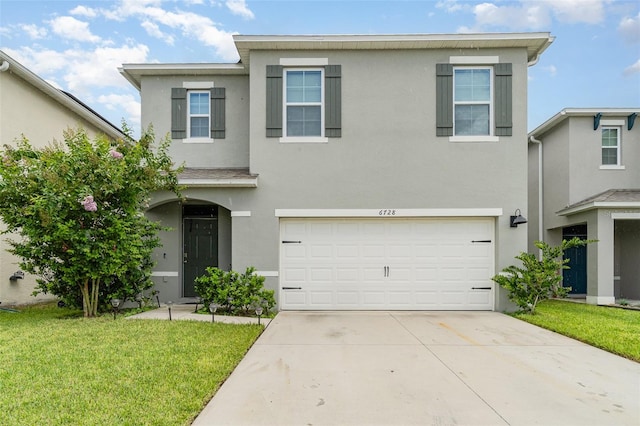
(584, 181)
(32, 107)
(354, 172)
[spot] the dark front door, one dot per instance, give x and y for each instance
(576, 276)
(200, 250)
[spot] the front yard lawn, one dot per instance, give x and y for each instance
(612, 329)
(57, 368)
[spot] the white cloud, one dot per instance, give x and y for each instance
(71, 28)
(127, 105)
(154, 31)
(33, 31)
(551, 69)
(450, 6)
(534, 14)
(84, 11)
(633, 69)
(629, 28)
(239, 7)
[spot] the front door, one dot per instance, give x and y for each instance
(576, 276)
(200, 250)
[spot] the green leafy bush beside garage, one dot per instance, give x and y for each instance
(236, 293)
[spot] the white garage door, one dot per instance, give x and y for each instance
(387, 264)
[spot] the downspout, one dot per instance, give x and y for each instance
(540, 192)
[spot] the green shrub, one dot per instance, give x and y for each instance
(537, 280)
(234, 292)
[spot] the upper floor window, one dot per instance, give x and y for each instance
(472, 101)
(199, 114)
(304, 100)
(610, 146)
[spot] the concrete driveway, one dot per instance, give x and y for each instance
(423, 368)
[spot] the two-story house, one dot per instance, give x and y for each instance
(354, 172)
(31, 107)
(584, 181)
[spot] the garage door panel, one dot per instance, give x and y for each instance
(408, 263)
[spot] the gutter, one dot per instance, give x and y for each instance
(540, 191)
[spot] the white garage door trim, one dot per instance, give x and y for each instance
(387, 263)
(389, 212)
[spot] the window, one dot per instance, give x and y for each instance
(472, 101)
(198, 114)
(303, 102)
(610, 146)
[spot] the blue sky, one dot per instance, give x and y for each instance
(78, 45)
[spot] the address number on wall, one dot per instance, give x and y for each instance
(387, 212)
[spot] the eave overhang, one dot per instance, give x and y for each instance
(217, 178)
(535, 43)
(611, 199)
(134, 72)
(552, 122)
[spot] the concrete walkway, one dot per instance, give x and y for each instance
(186, 312)
(426, 368)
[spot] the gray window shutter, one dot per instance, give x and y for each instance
(333, 101)
(444, 100)
(218, 113)
(274, 101)
(178, 113)
(503, 97)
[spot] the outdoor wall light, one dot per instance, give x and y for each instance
(169, 305)
(115, 303)
(213, 307)
(516, 219)
(18, 275)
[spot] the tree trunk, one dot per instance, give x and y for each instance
(90, 297)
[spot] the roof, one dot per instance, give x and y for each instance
(535, 43)
(580, 112)
(612, 198)
(208, 177)
(134, 72)
(65, 99)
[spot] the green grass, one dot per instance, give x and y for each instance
(612, 329)
(57, 368)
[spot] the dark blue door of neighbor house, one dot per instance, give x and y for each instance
(576, 276)
(200, 249)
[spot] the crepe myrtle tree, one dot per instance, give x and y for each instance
(75, 212)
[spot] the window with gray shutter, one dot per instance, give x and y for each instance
(446, 99)
(332, 107)
(183, 126)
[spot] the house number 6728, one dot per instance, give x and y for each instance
(387, 212)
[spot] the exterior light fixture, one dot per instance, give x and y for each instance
(198, 300)
(213, 307)
(115, 303)
(516, 219)
(18, 275)
(259, 313)
(169, 305)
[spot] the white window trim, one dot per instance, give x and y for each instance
(197, 85)
(304, 62)
(302, 139)
(189, 138)
(476, 138)
(618, 165)
(474, 60)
